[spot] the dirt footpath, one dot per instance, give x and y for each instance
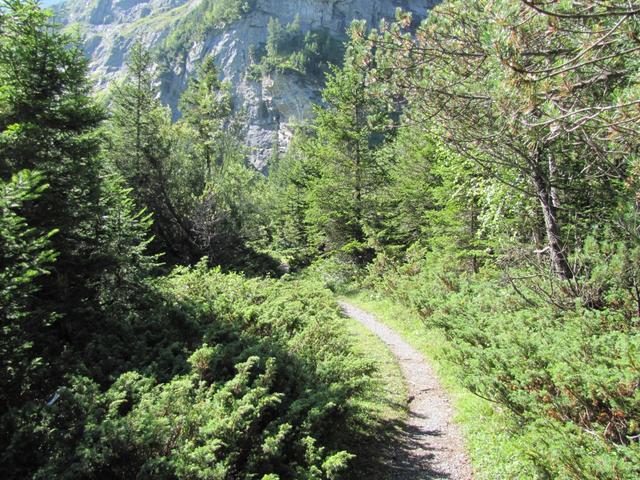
(432, 446)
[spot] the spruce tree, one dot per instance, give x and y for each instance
(222, 186)
(350, 131)
(72, 247)
(206, 107)
(48, 123)
(140, 148)
(25, 256)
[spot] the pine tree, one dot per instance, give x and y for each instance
(541, 93)
(289, 185)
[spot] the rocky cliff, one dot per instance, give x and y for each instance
(186, 31)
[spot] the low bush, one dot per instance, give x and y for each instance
(338, 273)
(564, 372)
(267, 391)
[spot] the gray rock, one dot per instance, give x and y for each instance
(272, 105)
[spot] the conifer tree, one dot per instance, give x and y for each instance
(60, 243)
(48, 122)
(349, 132)
(539, 94)
(25, 256)
(206, 107)
(222, 187)
(140, 147)
(290, 181)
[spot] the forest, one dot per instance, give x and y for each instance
(169, 312)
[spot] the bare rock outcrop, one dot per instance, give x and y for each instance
(271, 103)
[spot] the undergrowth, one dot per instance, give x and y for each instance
(238, 378)
(554, 362)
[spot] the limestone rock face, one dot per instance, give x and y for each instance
(270, 105)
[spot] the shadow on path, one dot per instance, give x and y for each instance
(426, 444)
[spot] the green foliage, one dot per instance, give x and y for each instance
(208, 16)
(48, 123)
(568, 379)
(139, 148)
(191, 175)
(288, 48)
(486, 214)
(337, 183)
(409, 198)
(434, 197)
(290, 180)
(565, 375)
(225, 195)
(206, 106)
(25, 256)
(520, 99)
(123, 244)
(73, 248)
(263, 395)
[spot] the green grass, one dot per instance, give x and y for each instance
(383, 410)
(486, 431)
(158, 21)
(389, 393)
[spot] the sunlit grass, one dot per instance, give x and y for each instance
(383, 408)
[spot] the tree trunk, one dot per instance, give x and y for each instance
(553, 174)
(359, 232)
(473, 231)
(556, 248)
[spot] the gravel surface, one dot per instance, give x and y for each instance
(430, 446)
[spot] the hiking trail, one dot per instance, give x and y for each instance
(430, 445)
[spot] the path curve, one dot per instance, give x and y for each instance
(434, 446)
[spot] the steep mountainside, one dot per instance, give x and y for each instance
(274, 82)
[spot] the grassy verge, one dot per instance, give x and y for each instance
(486, 431)
(385, 407)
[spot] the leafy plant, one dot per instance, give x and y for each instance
(289, 49)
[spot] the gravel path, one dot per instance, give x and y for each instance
(430, 445)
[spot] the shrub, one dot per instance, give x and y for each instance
(564, 372)
(268, 393)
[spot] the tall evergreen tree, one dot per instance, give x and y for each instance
(48, 122)
(140, 147)
(25, 256)
(224, 206)
(349, 130)
(206, 107)
(290, 181)
(65, 232)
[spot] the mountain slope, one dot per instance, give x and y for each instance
(272, 89)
